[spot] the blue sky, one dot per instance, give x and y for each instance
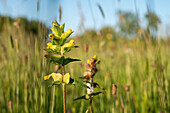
(71, 13)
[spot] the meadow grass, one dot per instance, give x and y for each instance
(143, 66)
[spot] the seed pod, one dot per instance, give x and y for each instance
(86, 47)
(114, 89)
(26, 86)
(127, 88)
(10, 105)
(26, 59)
(108, 74)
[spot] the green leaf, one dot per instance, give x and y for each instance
(62, 28)
(63, 61)
(75, 82)
(97, 93)
(69, 60)
(56, 30)
(48, 50)
(55, 51)
(55, 83)
(65, 35)
(67, 49)
(57, 41)
(86, 97)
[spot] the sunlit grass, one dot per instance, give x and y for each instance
(143, 66)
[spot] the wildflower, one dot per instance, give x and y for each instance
(47, 77)
(91, 90)
(88, 61)
(51, 46)
(95, 57)
(69, 30)
(51, 36)
(69, 44)
(66, 34)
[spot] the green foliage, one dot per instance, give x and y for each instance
(63, 61)
(152, 21)
(128, 23)
(87, 96)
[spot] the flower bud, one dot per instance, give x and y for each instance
(127, 88)
(10, 105)
(95, 57)
(114, 89)
(86, 47)
(47, 77)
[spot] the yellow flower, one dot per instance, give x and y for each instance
(69, 44)
(69, 30)
(88, 61)
(51, 36)
(95, 57)
(47, 77)
(51, 46)
(72, 42)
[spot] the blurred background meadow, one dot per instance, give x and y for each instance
(130, 37)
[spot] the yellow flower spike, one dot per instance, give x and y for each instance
(49, 45)
(47, 77)
(95, 57)
(51, 36)
(57, 77)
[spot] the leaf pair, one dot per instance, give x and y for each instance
(62, 60)
(87, 96)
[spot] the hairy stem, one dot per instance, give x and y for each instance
(64, 87)
(64, 93)
(91, 109)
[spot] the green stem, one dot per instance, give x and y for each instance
(64, 87)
